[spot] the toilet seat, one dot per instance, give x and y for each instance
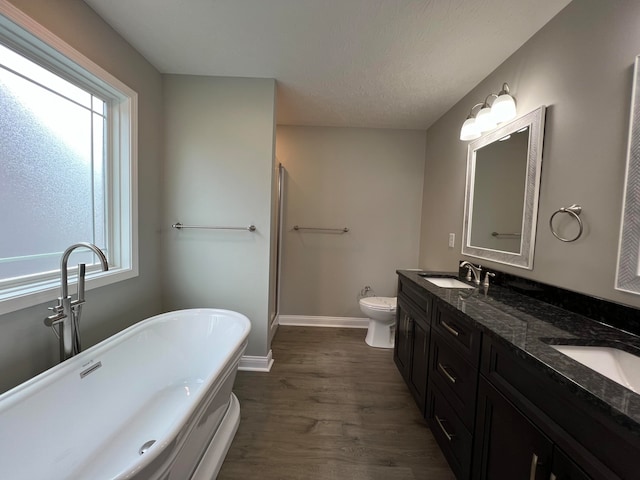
(380, 304)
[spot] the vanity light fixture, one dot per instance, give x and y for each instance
(485, 119)
(502, 109)
(470, 130)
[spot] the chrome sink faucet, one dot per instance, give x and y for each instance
(471, 268)
(67, 312)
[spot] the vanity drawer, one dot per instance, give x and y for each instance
(417, 313)
(456, 378)
(450, 433)
(458, 333)
(417, 296)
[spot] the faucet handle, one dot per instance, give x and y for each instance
(57, 308)
(58, 314)
(486, 278)
(54, 319)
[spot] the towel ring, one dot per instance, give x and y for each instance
(574, 210)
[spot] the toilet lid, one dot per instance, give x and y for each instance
(386, 304)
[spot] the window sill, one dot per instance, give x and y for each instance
(36, 294)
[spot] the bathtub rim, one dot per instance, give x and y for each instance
(79, 362)
(61, 368)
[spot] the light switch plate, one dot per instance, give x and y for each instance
(452, 240)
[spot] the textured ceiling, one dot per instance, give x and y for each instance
(358, 63)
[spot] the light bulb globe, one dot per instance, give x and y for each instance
(469, 130)
(503, 108)
(484, 120)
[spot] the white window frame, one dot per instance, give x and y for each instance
(28, 37)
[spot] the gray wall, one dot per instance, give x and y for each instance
(27, 347)
(369, 180)
(219, 171)
(580, 65)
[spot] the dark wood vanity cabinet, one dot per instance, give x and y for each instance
(494, 411)
(413, 330)
(528, 426)
(563, 468)
(419, 365)
(402, 349)
(453, 379)
(508, 445)
(454, 438)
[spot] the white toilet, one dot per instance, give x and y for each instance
(381, 312)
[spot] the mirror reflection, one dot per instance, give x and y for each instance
(498, 195)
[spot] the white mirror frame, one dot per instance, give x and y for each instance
(628, 270)
(524, 259)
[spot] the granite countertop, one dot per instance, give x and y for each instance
(528, 326)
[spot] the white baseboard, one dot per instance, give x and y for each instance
(273, 328)
(249, 363)
(311, 321)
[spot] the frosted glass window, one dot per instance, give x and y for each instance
(68, 164)
(52, 168)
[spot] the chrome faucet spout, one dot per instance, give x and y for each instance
(67, 312)
(472, 269)
(65, 260)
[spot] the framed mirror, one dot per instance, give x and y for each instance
(628, 269)
(501, 199)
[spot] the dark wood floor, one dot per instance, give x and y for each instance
(331, 408)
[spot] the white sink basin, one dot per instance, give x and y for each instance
(447, 282)
(620, 366)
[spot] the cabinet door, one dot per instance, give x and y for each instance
(403, 345)
(565, 469)
(507, 445)
(592, 440)
(419, 365)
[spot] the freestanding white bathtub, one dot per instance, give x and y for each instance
(152, 402)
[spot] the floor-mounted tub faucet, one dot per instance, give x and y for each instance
(67, 312)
